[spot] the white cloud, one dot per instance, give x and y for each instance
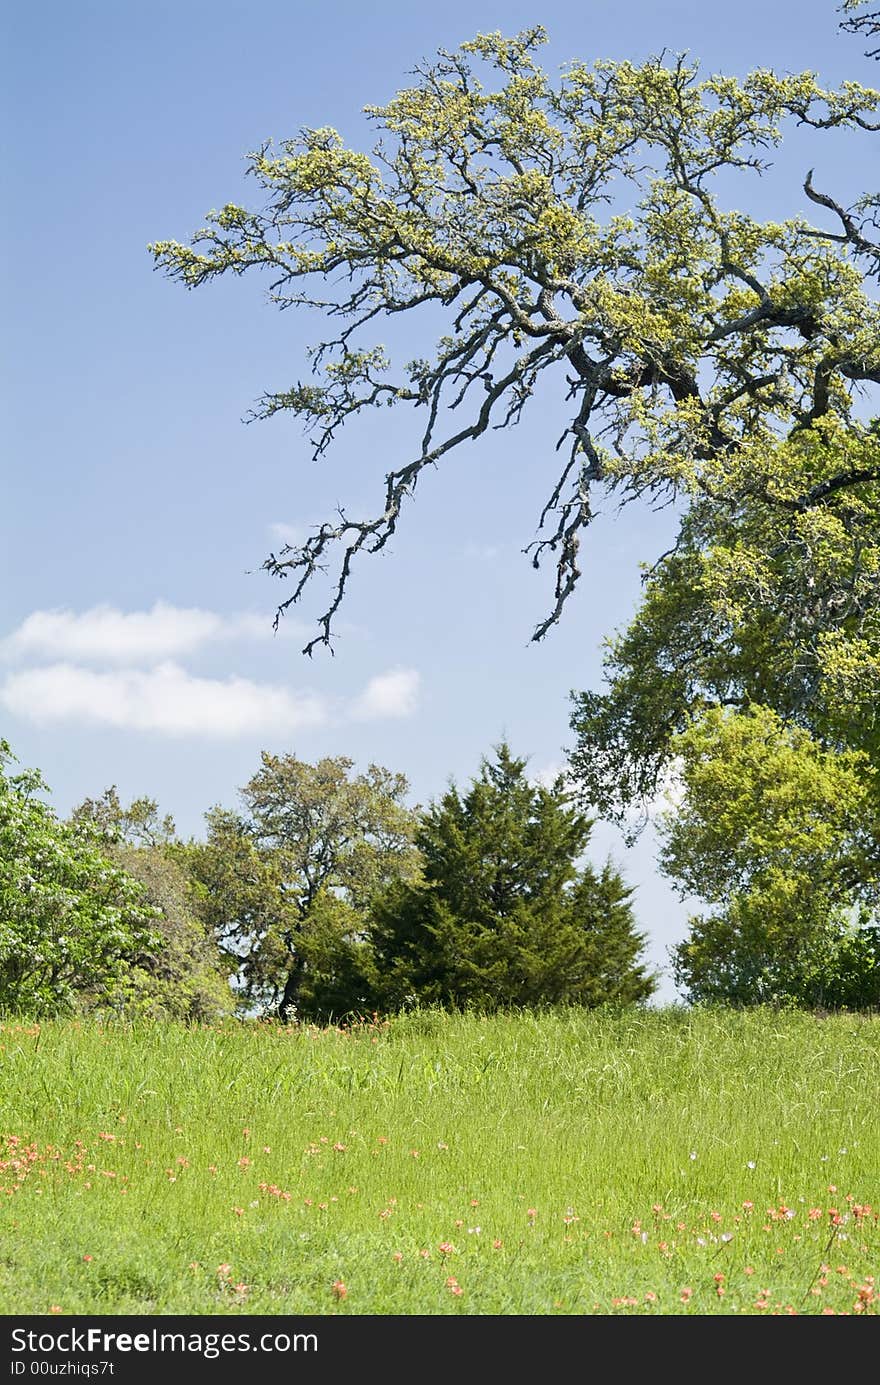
(142, 686)
(165, 699)
(104, 632)
(107, 634)
(392, 694)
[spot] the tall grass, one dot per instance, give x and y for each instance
(652, 1161)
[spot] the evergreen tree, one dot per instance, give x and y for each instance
(502, 915)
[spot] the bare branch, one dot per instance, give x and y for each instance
(851, 231)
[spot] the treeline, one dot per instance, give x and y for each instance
(324, 896)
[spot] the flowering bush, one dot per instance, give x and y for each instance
(70, 920)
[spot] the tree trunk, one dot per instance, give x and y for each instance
(287, 1005)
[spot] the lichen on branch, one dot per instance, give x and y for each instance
(569, 229)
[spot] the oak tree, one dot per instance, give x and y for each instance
(289, 879)
(577, 238)
(573, 235)
(782, 838)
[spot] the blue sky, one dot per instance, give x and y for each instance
(135, 625)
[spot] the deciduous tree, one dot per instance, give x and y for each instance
(300, 865)
(581, 232)
(72, 922)
(574, 236)
(782, 837)
(139, 824)
(771, 597)
(185, 975)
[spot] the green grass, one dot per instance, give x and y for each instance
(568, 1163)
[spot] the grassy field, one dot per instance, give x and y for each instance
(653, 1162)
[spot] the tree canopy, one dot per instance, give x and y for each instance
(572, 232)
(140, 824)
(183, 974)
(766, 600)
(781, 837)
(72, 922)
(504, 912)
(297, 870)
